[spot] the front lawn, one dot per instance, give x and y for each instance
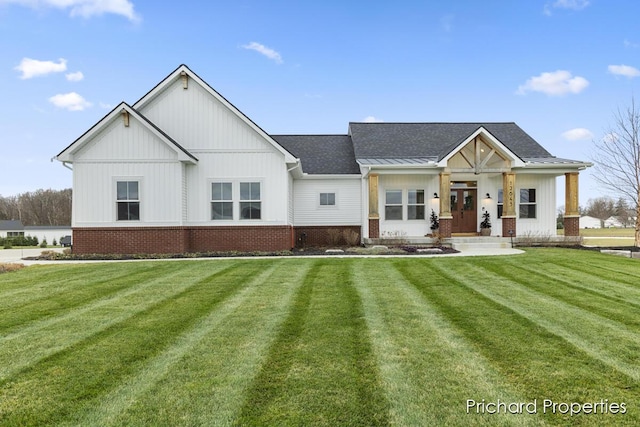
(324, 341)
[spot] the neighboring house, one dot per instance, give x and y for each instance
(15, 228)
(11, 228)
(590, 222)
(182, 169)
(613, 222)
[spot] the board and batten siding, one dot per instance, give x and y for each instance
(126, 153)
(265, 167)
(228, 150)
(545, 223)
(306, 206)
(198, 121)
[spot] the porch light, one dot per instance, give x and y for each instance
(435, 196)
(488, 196)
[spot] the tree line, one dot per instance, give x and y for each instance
(39, 207)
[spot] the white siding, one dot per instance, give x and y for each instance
(306, 205)
(429, 183)
(266, 168)
(198, 121)
(119, 143)
(545, 223)
(94, 187)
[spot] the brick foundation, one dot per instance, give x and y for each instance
(324, 235)
(446, 227)
(374, 228)
(571, 226)
(135, 240)
(508, 224)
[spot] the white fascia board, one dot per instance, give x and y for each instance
(515, 160)
(289, 158)
(66, 156)
(330, 176)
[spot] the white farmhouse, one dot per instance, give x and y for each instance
(587, 221)
(183, 170)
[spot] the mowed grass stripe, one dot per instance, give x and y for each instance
(571, 285)
(109, 409)
(48, 391)
(208, 384)
(604, 339)
(320, 370)
(428, 368)
(39, 339)
(536, 362)
(51, 299)
(605, 267)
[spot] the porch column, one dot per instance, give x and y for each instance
(509, 203)
(374, 215)
(572, 211)
(446, 220)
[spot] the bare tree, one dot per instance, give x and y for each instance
(617, 159)
(40, 207)
(601, 208)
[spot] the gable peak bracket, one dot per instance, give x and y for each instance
(125, 117)
(185, 79)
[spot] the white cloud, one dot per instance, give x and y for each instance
(84, 8)
(577, 134)
(70, 101)
(555, 83)
(631, 45)
(610, 138)
(624, 70)
(33, 67)
(372, 119)
(266, 51)
(565, 4)
(75, 77)
(105, 105)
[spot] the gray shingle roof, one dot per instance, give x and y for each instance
(11, 225)
(321, 154)
(405, 140)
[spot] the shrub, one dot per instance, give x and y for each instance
(44, 243)
(54, 243)
(7, 244)
(8, 268)
(351, 237)
(334, 236)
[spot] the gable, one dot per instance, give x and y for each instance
(191, 111)
(124, 134)
(481, 152)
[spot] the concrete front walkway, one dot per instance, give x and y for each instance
(17, 255)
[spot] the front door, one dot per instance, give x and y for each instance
(464, 211)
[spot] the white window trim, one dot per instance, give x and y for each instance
(323, 207)
(528, 204)
(235, 199)
(211, 200)
(140, 182)
(402, 203)
(423, 204)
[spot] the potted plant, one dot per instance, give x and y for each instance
(435, 223)
(485, 225)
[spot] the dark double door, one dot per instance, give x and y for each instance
(464, 210)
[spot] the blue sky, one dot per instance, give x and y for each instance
(558, 68)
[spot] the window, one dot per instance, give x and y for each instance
(415, 204)
(527, 203)
(221, 201)
(393, 205)
(128, 201)
(250, 201)
(15, 233)
(327, 199)
(500, 202)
